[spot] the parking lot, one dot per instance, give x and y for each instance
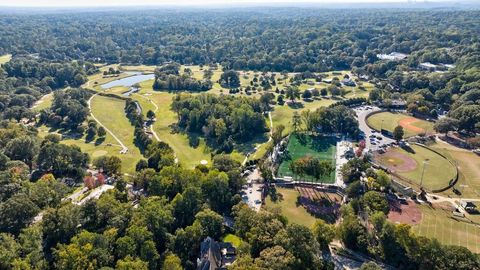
(252, 191)
(374, 140)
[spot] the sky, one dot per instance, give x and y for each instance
(96, 3)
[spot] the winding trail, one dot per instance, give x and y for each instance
(155, 111)
(124, 148)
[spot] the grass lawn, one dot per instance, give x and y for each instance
(282, 115)
(321, 147)
(412, 126)
(438, 170)
(5, 58)
(142, 68)
(437, 223)
(110, 112)
(186, 154)
(44, 103)
(468, 165)
(108, 147)
(232, 238)
(289, 208)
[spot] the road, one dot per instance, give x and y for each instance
(124, 148)
(362, 113)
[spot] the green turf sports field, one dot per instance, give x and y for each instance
(316, 146)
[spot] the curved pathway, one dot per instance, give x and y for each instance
(155, 111)
(124, 148)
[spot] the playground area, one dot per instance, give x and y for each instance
(300, 145)
(417, 165)
(389, 120)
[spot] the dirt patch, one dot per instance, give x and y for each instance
(404, 213)
(396, 161)
(407, 124)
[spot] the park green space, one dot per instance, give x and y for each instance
(390, 120)
(190, 156)
(5, 58)
(438, 170)
(468, 164)
(110, 112)
(300, 145)
(287, 203)
(439, 224)
(186, 154)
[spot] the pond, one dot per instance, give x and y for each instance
(137, 77)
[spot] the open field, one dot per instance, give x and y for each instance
(5, 58)
(110, 112)
(411, 126)
(298, 147)
(186, 154)
(287, 202)
(438, 223)
(468, 165)
(438, 171)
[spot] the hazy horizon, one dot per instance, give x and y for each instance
(95, 3)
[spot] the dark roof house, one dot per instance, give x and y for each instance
(215, 255)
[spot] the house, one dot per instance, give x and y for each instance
(394, 56)
(470, 207)
(348, 82)
(215, 255)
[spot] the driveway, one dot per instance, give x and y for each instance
(371, 144)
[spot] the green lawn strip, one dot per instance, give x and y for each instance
(389, 120)
(320, 147)
(233, 239)
(438, 170)
(289, 208)
(110, 112)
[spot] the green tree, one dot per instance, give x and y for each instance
(111, 165)
(172, 262)
(292, 93)
(211, 223)
(24, 148)
(129, 263)
(398, 133)
(101, 132)
(230, 79)
(296, 121)
(323, 233)
(150, 115)
(446, 124)
(16, 213)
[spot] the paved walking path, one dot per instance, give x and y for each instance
(155, 111)
(124, 148)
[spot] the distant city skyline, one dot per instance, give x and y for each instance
(96, 3)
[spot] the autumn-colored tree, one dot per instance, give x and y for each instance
(89, 181)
